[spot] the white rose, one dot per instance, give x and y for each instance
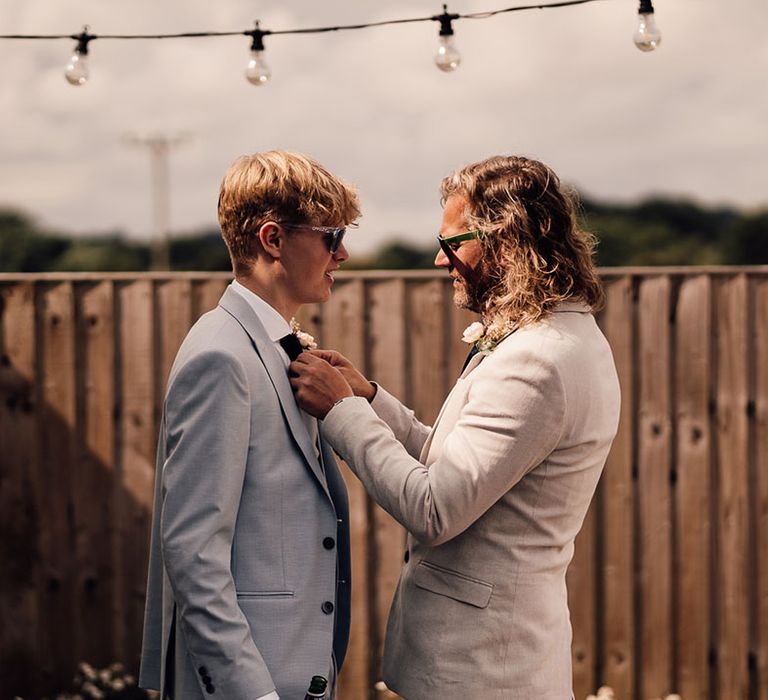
(473, 332)
(306, 340)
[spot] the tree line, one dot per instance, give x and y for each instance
(655, 231)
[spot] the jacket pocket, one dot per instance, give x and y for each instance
(264, 594)
(453, 584)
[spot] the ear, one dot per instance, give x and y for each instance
(271, 236)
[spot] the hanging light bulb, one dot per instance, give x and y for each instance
(447, 57)
(76, 72)
(257, 72)
(647, 35)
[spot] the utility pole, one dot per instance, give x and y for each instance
(159, 147)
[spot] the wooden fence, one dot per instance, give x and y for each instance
(669, 584)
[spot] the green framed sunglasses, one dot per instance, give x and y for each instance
(451, 244)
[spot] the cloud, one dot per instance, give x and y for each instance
(564, 85)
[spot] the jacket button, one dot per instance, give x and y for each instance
(210, 689)
(329, 543)
(407, 556)
(202, 671)
(327, 607)
(207, 679)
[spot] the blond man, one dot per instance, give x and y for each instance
(249, 574)
(495, 492)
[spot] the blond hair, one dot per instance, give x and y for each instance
(535, 254)
(283, 187)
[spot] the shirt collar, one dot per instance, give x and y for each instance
(275, 325)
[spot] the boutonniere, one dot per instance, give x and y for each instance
(306, 340)
(478, 334)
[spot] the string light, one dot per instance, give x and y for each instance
(447, 57)
(257, 72)
(77, 72)
(647, 35)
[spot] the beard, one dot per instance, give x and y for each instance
(471, 294)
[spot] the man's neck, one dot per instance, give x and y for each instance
(269, 292)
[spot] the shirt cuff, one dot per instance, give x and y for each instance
(269, 696)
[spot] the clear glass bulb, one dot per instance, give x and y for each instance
(257, 72)
(447, 57)
(647, 36)
(77, 69)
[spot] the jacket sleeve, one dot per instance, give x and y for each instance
(408, 430)
(208, 428)
(512, 419)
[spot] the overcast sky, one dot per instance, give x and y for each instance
(563, 85)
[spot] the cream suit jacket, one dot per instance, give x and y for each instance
(248, 588)
(492, 496)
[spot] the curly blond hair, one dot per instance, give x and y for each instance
(278, 186)
(534, 254)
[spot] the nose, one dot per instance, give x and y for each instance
(341, 254)
(441, 259)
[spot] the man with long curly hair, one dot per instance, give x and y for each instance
(495, 492)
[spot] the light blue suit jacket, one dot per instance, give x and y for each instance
(249, 572)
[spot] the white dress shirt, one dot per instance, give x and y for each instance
(277, 327)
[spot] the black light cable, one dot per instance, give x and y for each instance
(646, 37)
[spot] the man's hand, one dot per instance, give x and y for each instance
(317, 385)
(359, 384)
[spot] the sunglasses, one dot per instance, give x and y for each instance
(451, 244)
(333, 235)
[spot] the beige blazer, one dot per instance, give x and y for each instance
(492, 496)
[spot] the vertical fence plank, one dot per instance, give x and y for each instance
(342, 321)
(760, 340)
(20, 491)
(733, 473)
(206, 295)
(173, 320)
(427, 351)
(653, 485)
(136, 459)
(581, 580)
(693, 362)
(59, 613)
(96, 537)
(387, 365)
(617, 503)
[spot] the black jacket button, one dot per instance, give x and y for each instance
(202, 670)
(327, 607)
(207, 679)
(329, 543)
(210, 689)
(407, 556)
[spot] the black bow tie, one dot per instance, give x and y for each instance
(291, 345)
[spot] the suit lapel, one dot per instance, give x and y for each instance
(239, 308)
(474, 361)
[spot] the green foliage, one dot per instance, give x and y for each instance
(396, 256)
(23, 248)
(205, 251)
(653, 232)
(658, 232)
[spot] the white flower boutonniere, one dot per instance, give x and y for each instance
(306, 340)
(477, 334)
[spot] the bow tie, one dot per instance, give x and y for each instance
(291, 345)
